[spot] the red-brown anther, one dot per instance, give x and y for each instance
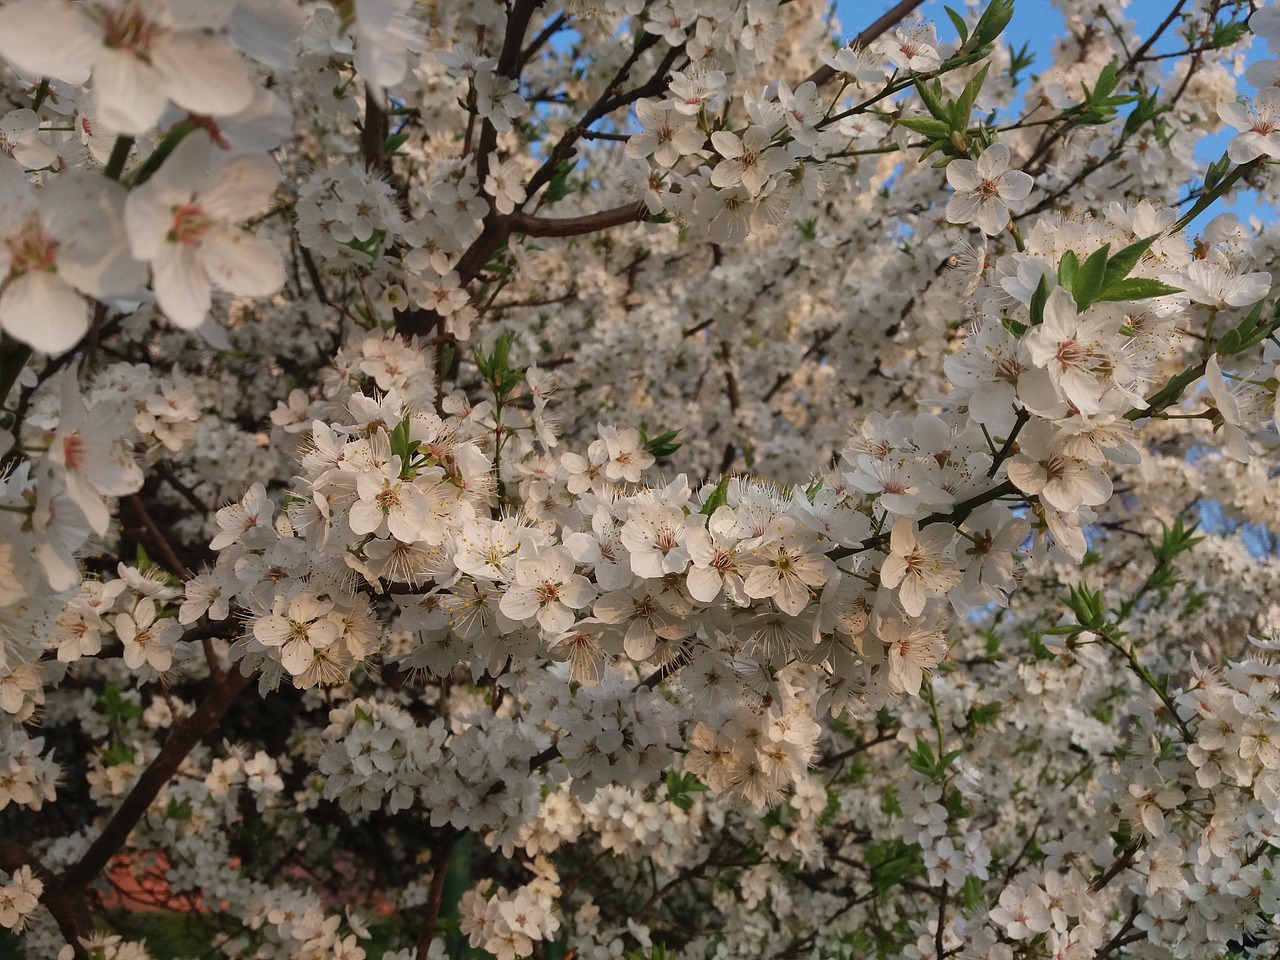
(190, 224)
(388, 498)
(73, 451)
(31, 249)
(128, 29)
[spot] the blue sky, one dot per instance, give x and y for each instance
(1037, 23)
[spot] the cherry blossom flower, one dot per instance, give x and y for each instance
(58, 244)
(748, 159)
(147, 639)
(1076, 349)
(1259, 126)
(505, 183)
(546, 586)
(786, 566)
(140, 55)
(920, 564)
(298, 628)
(667, 136)
(90, 454)
(184, 222)
(984, 188)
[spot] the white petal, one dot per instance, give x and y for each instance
(48, 38)
(42, 309)
(86, 215)
(243, 264)
(296, 655)
(128, 94)
(181, 285)
(962, 207)
(960, 174)
(202, 74)
(264, 29)
(240, 187)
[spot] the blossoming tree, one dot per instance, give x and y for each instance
(649, 479)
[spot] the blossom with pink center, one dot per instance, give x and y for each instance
(298, 629)
(58, 244)
(185, 221)
(1259, 126)
(921, 563)
(546, 587)
(141, 54)
(984, 187)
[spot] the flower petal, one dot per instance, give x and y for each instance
(42, 310)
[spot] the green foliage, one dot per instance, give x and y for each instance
(1103, 277)
(892, 861)
(681, 787)
(663, 445)
(921, 759)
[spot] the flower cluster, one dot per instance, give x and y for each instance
(486, 325)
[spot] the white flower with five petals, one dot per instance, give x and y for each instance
(185, 221)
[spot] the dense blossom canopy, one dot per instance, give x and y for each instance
(636, 479)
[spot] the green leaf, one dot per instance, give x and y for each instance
(1088, 607)
(681, 787)
(1086, 286)
(394, 143)
(1068, 267)
(1016, 328)
(1174, 540)
(116, 754)
(890, 862)
(990, 25)
(957, 21)
(961, 109)
(933, 129)
(502, 352)
(1038, 300)
(931, 97)
(971, 896)
(400, 439)
(1019, 60)
(719, 496)
(559, 187)
(118, 706)
(1225, 34)
(1251, 331)
(1135, 288)
(1106, 82)
(663, 445)
(1121, 264)
(179, 811)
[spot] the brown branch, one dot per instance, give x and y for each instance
(861, 747)
(1120, 939)
(172, 753)
(435, 898)
(540, 41)
(825, 74)
(1126, 858)
(532, 226)
(517, 25)
(164, 470)
(373, 134)
(157, 537)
